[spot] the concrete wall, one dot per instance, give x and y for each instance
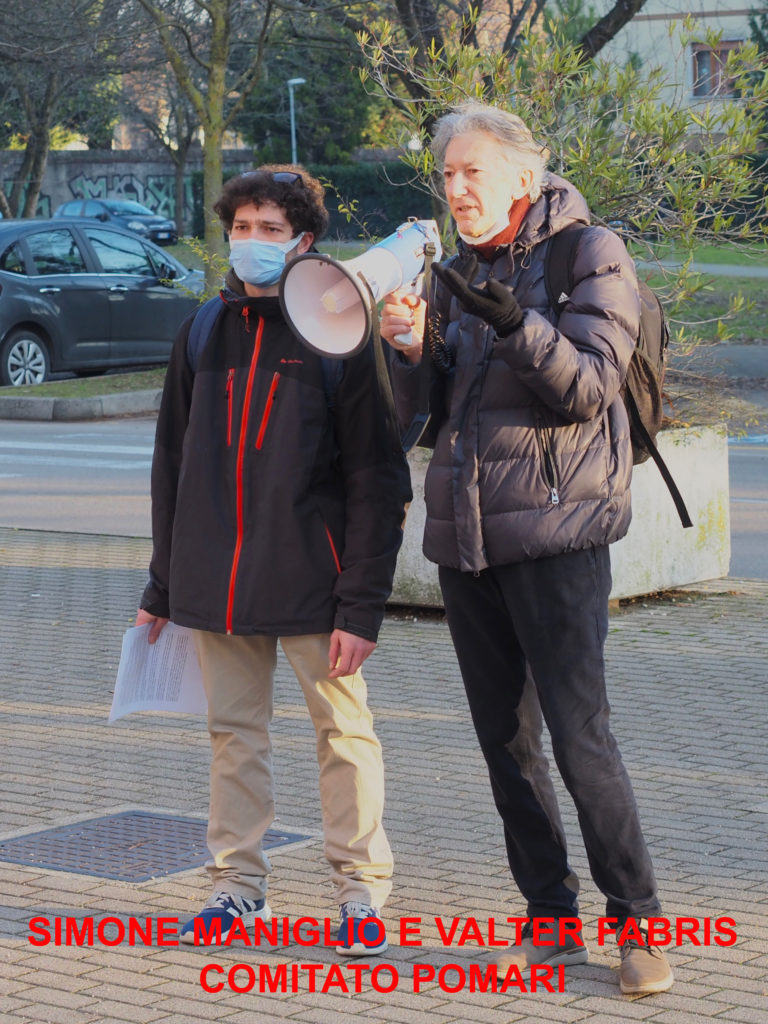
(120, 174)
(657, 552)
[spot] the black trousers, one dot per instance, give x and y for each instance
(529, 638)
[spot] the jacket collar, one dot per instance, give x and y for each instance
(233, 293)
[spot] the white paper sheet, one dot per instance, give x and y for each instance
(164, 676)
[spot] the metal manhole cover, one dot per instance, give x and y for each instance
(133, 846)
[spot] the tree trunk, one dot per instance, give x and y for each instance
(16, 198)
(212, 182)
(179, 167)
(614, 21)
(40, 142)
(5, 208)
(213, 126)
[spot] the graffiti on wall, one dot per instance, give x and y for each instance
(155, 191)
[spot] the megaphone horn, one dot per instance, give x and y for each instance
(327, 302)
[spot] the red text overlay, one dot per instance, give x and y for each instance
(455, 932)
(348, 978)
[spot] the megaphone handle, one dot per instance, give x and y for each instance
(408, 338)
(421, 420)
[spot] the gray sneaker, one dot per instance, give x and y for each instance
(526, 954)
(644, 969)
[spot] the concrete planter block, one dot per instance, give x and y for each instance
(657, 552)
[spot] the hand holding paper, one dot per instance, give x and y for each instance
(158, 676)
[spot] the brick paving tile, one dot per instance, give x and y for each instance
(482, 1014)
(60, 980)
(63, 959)
(220, 1005)
(78, 1002)
(108, 974)
(9, 1004)
(746, 1015)
(106, 1009)
(620, 1007)
(266, 1008)
(203, 1017)
(684, 1017)
(404, 1015)
(44, 1013)
(17, 986)
(318, 1015)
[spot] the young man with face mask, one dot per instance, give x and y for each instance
(277, 513)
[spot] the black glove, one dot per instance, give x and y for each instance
(495, 303)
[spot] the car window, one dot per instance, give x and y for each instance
(71, 209)
(165, 266)
(12, 261)
(56, 252)
(124, 207)
(92, 209)
(119, 254)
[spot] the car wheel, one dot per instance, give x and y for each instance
(24, 359)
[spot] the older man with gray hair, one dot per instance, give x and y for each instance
(527, 487)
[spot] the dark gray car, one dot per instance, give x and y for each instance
(126, 214)
(78, 295)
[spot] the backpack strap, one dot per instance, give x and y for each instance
(201, 329)
(653, 451)
(558, 265)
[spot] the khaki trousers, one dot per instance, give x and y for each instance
(238, 675)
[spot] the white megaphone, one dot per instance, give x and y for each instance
(327, 303)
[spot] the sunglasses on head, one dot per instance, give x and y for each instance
(281, 177)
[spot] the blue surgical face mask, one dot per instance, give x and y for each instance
(260, 263)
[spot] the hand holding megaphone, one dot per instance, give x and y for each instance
(411, 299)
(403, 317)
(329, 304)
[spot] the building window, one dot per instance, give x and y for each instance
(709, 76)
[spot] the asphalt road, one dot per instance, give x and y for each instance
(94, 478)
(77, 477)
(748, 470)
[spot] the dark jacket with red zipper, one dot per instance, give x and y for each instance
(277, 508)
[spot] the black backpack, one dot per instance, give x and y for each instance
(642, 390)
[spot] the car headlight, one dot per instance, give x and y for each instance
(136, 225)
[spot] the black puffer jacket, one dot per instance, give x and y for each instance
(532, 455)
(272, 512)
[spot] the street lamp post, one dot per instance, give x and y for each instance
(292, 83)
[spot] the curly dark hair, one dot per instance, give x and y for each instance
(302, 200)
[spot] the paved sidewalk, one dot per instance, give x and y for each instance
(688, 688)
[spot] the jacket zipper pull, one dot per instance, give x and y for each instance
(228, 394)
(554, 497)
(246, 313)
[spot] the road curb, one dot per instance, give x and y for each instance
(132, 403)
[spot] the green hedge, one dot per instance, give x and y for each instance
(382, 192)
(384, 195)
